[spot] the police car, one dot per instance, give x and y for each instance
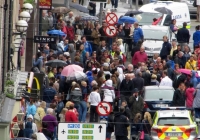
(173, 123)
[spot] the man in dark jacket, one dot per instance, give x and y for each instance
(183, 36)
(121, 124)
(127, 110)
(138, 82)
(179, 96)
(179, 59)
(136, 102)
(126, 88)
(48, 94)
(146, 76)
(166, 48)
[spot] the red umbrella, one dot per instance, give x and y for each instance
(187, 71)
(70, 69)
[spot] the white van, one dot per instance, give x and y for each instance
(180, 13)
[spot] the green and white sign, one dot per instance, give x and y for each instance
(81, 131)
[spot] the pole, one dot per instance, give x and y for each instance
(9, 35)
(4, 43)
(136, 5)
(40, 21)
(100, 13)
(131, 4)
(67, 3)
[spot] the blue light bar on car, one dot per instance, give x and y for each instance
(173, 108)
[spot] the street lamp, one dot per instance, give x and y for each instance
(24, 15)
(28, 7)
(21, 26)
(20, 116)
(15, 130)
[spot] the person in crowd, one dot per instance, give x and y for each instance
(70, 18)
(126, 88)
(51, 20)
(70, 31)
(94, 99)
(31, 109)
(145, 75)
(39, 62)
(191, 64)
(138, 82)
(179, 59)
(137, 34)
(179, 96)
(28, 131)
(62, 114)
(92, 8)
(166, 81)
(70, 116)
(193, 78)
(45, 131)
(120, 125)
(127, 110)
(110, 126)
(136, 103)
(154, 80)
(183, 36)
(59, 107)
(174, 47)
(139, 56)
(51, 121)
(45, 24)
(136, 126)
(189, 96)
(48, 94)
(96, 36)
(196, 37)
(33, 125)
(166, 48)
(41, 113)
(87, 46)
(173, 27)
(196, 103)
(147, 123)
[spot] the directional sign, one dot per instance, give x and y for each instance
(110, 31)
(104, 108)
(81, 131)
(111, 18)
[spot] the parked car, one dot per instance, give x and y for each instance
(156, 97)
(153, 38)
(174, 123)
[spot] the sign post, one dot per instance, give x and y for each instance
(81, 131)
(111, 20)
(104, 108)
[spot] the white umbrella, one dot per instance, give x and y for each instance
(78, 75)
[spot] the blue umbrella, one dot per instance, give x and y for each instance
(79, 7)
(127, 19)
(56, 32)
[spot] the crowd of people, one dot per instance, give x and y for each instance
(109, 77)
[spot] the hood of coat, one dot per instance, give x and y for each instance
(109, 83)
(71, 48)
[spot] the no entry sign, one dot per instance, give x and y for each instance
(110, 31)
(104, 108)
(111, 18)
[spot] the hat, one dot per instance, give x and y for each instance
(106, 64)
(30, 117)
(135, 90)
(153, 76)
(174, 40)
(66, 53)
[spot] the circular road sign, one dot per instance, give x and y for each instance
(111, 18)
(104, 108)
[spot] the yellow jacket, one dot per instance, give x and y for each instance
(191, 65)
(42, 113)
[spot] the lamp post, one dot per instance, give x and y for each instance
(20, 116)
(15, 130)
(24, 15)
(21, 27)
(27, 7)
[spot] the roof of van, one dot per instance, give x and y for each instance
(168, 4)
(158, 87)
(153, 27)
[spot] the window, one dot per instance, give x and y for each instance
(155, 94)
(147, 18)
(157, 34)
(168, 20)
(173, 121)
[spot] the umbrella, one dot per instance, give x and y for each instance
(68, 70)
(133, 12)
(56, 32)
(79, 8)
(78, 75)
(187, 71)
(88, 17)
(163, 10)
(61, 10)
(127, 19)
(56, 63)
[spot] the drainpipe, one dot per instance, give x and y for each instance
(5, 7)
(9, 35)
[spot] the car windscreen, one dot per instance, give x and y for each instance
(154, 34)
(158, 94)
(147, 18)
(173, 121)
